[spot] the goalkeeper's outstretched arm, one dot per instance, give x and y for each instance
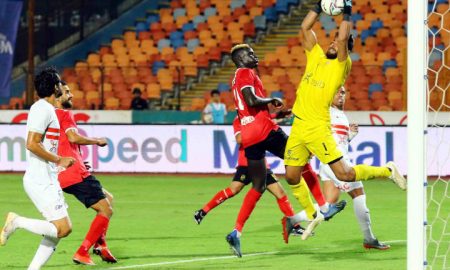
(308, 36)
(344, 32)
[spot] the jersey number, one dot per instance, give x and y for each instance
(238, 98)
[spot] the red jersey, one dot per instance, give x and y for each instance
(77, 172)
(255, 121)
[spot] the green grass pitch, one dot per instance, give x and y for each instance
(153, 228)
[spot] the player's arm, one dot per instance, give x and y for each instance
(238, 138)
(253, 100)
(308, 36)
(77, 138)
(344, 32)
(354, 129)
(35, 146)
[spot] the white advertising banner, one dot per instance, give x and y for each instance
(212, 149)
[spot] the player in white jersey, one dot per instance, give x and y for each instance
(40, 180)
(343, 133)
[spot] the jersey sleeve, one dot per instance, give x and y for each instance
(68, 122)
(245, 77)
(38, 120)
(207, 109)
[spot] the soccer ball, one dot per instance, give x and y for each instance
(332, 7)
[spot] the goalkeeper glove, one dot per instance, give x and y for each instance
(317, 8)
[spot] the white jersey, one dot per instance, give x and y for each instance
(340, 129)
(42, 119)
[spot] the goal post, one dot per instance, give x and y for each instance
(417, 133)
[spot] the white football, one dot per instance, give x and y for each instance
(332, 7)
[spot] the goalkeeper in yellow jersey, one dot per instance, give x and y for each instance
(325, 73)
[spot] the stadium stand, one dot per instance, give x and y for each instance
(185, 45)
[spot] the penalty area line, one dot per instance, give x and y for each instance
(193, 260)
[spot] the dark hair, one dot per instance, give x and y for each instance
(137, 90)
(213, 92)
(63, 82)
(45, 82)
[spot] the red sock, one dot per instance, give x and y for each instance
(219, 198)
(247, 207)
(313, 184)
(285, 206)
(98, 227)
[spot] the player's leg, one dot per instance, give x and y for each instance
(277, 190)
(240, 179)
(314, 186)
(54, 212)
(90, 193)
(102, 240)
(257, 173)
(362, 214)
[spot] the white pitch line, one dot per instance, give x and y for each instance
(193, 260)
(218, 258)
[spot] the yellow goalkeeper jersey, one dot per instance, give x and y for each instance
(319, 84)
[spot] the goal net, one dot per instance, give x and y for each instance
(437, 217)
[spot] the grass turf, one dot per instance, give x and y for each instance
(153, 223)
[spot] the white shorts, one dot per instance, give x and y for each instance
(47, 196)
(326, 174)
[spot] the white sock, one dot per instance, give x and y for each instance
(299, 217)
(37, 226)
(44, 252)
(324, 208)
(302, 216)
(363, 216)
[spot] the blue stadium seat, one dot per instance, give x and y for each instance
(198, 19)
(356, 17)
(389, 63)
(223, 87)
(236, 4)
(271, 14)
(152, 18)
(179, 12)
(282, 7)
(157, 65)
(376, 24)
(364, 35)
(188, 27)
(277, 94)
(355, 56)
(176, 35)
(162, 43)
(293, 2)
(141, 27)
(192, 44)
(375, 87)
(176, 43)
(260, 22)
(210, 11)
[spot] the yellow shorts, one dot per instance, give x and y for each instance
(302, 144)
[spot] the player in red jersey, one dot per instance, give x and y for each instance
(77, 180)
(260, 134)
(241, 179)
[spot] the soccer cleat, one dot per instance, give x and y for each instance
(333, 209)
(199, 215)
(8, 228)
(375, 244)
(104, 253)
(287, 228)
(396, 176)
(82, 259)
(235, 243)
(312, 225)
